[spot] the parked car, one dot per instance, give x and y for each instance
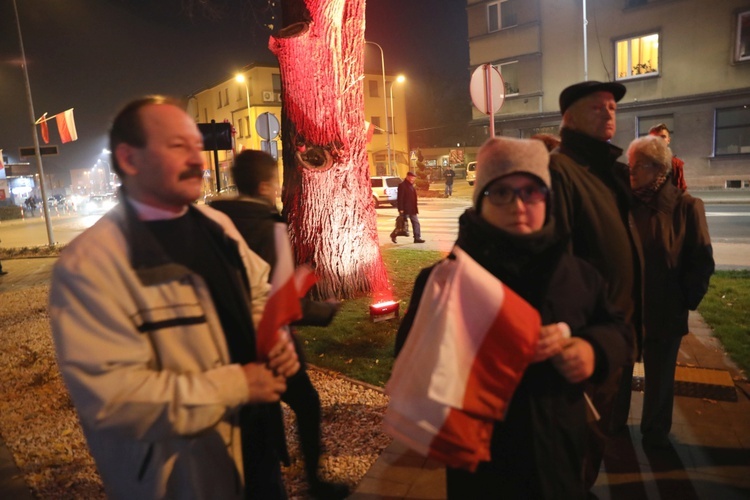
(99, 203)
(385, 189)
(471, 172)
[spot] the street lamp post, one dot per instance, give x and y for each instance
(241, 79)
(399, 79)
(385, 108)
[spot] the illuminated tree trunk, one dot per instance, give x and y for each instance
(327, 196)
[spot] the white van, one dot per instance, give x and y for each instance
(471, 172)
(385, 190)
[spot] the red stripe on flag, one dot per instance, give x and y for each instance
(502, 357)
(305, 278)
(45, 129)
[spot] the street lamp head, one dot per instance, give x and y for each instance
(240, 78)
(400, 78)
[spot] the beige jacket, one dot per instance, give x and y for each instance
(141, 349)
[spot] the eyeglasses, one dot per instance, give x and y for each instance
(641, 166)
(502, 195)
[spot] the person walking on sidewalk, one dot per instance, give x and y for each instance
(255, 214)
(592, 204)
(678, 263)
(449, 175)
(407, 206)
(153, 312)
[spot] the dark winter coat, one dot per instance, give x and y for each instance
(592, 200)
(407, 198)
(537, 451)
(255, 220)
(678, 259)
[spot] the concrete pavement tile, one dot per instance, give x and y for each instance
(429, 485)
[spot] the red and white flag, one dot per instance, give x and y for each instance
(66, 125)
(470, 343)
(283, 305)
(2, 165)
(369, 130)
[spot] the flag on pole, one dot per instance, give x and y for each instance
(470, 343)
(45, 128)
(283, 305)
(2, 165)
(66, 125)
(369, 130)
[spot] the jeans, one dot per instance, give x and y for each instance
(448, 189)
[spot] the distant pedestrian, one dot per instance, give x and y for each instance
(677, 263)
(449, 174)
(407, 206)
(678, 166)
(2, 273)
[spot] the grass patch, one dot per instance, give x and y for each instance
(726, 308)
(352, 344)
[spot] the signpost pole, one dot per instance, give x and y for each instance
(488, 93)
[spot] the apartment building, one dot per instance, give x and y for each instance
(242, 103)
(685, 63)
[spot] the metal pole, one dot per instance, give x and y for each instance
(247, 96)
(385, 109)
(40, 169)
(488, 94)
(391, 161)
(585, 45)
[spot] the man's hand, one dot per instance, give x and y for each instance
(551, 341)
(283, 358)
(576, 361)
(264, 386)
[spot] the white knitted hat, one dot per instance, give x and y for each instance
(501, 156)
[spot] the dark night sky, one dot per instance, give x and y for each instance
(94, 55)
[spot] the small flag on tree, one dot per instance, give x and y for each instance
(66, 125)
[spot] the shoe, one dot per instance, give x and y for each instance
(393, 239)
(418, 240)
(329, 491)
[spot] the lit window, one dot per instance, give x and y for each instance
(732, 131)
(742, 52)
(240, 128)
(220, 105)
(501, 15)
(510, 77)
(637, 57)
(276, 82)
(375, 120)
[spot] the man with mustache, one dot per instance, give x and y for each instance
(153, 312)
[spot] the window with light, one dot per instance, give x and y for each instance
(509, 71)
(732, 131)
(637, 57)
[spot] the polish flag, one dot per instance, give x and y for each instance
(369, 130)
(283, 305)
(2, 165)
(470, 343)
(45, 129)
(66, 125)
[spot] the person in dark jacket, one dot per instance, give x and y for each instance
(592, 204)
(254, 214)
(678, 263)
(449, 174)
(407, 206)
(537, 451)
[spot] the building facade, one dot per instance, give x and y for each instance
(685, 63)
(242, 103)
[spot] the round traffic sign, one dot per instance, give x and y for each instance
(267, 126)
(487, 86)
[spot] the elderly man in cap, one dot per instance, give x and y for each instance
(592, 205)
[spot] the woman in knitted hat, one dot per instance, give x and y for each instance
(536, 451)
(677, 263)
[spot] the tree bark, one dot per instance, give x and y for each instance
(327, 195)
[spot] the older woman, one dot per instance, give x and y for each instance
(537, 450)
(678, 262)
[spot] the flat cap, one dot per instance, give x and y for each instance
(571, 94)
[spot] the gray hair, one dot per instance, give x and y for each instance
(652, 149)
